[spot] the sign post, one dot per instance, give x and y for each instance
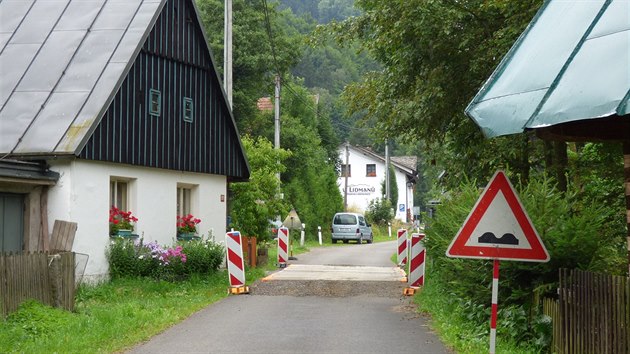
(498, 228)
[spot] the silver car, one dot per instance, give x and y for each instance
(351, 226)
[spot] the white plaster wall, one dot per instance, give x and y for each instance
(358, 162)
(82, 195)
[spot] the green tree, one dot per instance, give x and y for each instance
(310, 182)
(256, 202)
(393, 188)
(254, 61)
(435, 55)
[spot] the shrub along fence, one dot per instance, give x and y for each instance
(48, 278)
(592, 313)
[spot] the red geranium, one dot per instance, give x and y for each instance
(187, 224)
(120, 220)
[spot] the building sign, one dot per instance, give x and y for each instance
(361, 189)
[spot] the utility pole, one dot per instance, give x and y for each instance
(345, 191)
(277, 118)
(227, 52)
(387, 193)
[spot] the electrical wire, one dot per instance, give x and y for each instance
(310, 105)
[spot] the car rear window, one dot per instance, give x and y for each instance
(345, 219)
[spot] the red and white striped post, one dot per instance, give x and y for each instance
(283, 246)
(416, 264)
(235, 263)
(495, 306)
(402, 247)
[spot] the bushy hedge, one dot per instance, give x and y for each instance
(571, 230)
(379, 211)
(129, 258)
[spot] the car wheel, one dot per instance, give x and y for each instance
(345, 241)
(334, 240)
(370, 239)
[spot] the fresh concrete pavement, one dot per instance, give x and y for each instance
(344, 299)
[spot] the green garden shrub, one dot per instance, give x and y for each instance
(138, 259)
(570, 229)
(379, 211)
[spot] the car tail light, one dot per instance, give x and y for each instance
(358, 231)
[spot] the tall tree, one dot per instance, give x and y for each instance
(435, 55)
(256, 58)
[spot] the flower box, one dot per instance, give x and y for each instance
(127, 234)
(187, 236)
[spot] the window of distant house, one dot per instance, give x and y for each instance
(184, 199)
(188, 109)
(155, 102)
(346, 171)
(119, 194)
(370, 170)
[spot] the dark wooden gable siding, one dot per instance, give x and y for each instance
(174, 60)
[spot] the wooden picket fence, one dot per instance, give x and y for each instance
(591, 314)
(48, 278)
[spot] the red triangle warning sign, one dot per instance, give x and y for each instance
(498, 228)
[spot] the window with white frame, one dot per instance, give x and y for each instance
(119, 193)
(188, 110)
(184, 199)
(370, 170)
(155, 102)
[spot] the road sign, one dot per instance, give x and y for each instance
(498, 228)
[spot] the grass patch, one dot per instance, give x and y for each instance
(112, 316)
(449, 320)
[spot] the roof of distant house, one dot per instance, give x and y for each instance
(409, 161)
(264, 104)
(406, 164)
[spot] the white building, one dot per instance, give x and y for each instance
(366, 173)
(102, 103)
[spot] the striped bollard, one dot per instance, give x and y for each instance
(235, 263)
(416, 264)
(495, 306)
(402, 248)
(283, 246)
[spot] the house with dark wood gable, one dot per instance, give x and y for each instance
(110, 102)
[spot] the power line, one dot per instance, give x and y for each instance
(287, 84)
(269, 33)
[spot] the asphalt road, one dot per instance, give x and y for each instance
(310, 315)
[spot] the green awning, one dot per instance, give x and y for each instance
(571, 64)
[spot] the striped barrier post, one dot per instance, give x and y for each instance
(401, 259)
(495, 306)
(416, 264)
(283, 246)
(235, 263)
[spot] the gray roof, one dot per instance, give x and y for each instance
(61, 62)
(396, 162)
(570, 64)
(409, 161)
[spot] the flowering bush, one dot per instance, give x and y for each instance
(138, 259)
(120, 220)
(166, 256)
(187, 224)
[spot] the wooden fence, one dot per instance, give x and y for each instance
(48, 278)
(591, 315)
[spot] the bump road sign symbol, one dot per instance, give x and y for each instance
(498, 228)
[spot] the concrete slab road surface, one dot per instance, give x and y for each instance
(314, 308)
